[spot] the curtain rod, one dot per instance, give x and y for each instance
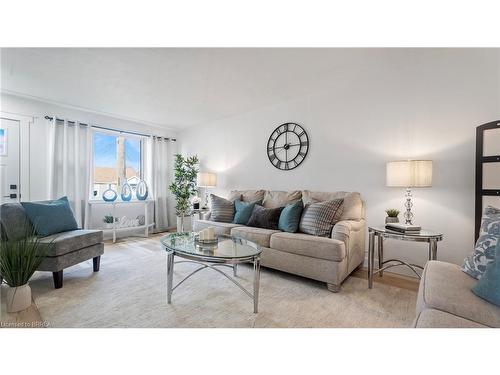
(115, 130)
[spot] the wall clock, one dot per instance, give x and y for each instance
(287, 146)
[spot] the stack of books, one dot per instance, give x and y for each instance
(403, 228)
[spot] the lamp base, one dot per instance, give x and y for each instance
(408, 215)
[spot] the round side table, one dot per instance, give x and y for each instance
(380, 233)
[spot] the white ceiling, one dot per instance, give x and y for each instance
(174, 87)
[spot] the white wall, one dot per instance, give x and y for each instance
(420, 103)
(38, 138)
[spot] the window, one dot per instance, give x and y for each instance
(117, 159)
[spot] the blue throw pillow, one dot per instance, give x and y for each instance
(50, 217)
(488, 287)
(243, 211)
(290, 217)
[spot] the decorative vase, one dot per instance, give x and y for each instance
(109, 195)
(18, 298)
(126, 193)
(141, 190)
(390, 219)
(184, 224)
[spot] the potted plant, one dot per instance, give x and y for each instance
(184, 186)
(392, 215)
(108, 221)
(18, 262)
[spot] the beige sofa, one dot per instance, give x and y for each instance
(445, 300)
(329, 260)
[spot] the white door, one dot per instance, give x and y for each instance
(9, 160)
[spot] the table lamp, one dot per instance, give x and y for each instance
(207, 180)
(409, 174)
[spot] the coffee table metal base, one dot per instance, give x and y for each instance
(213, 264)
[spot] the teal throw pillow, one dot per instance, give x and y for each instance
(50, 217)
(290, 217)
(488, 287)
(243, 211)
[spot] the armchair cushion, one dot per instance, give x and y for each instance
(50, 217)
(67, 242)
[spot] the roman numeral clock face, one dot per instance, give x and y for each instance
(287, 146)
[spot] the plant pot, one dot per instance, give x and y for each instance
(187, 227)
(108, 225)
(389, 219)
(18, 298)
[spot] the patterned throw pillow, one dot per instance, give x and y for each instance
(221, 210)
(319, 218)
(266, 218)
(484, 252)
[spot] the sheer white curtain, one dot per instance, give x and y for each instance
(69, 155)
(159, 176)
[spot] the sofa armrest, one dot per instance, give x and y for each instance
(352, 233)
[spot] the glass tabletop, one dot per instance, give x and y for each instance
(422, 234)
(227, 247)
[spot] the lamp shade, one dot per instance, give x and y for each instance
(207, 179)
(409, 173)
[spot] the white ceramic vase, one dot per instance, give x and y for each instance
(18, 298)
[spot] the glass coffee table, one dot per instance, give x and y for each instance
(226, 252)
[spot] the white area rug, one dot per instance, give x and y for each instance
(130, 291)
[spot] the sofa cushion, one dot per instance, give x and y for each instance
(260, 236)
(266, 218)
(430, 318)
(319, 218)
(484, 251)
(222, 210)
(445, 287)
(247, 195)
(274, 199)
(307, 245)
(15, 222)
(67, 242)
(243, 211)
(219, 227)
(50, 217)
(352, 207)
(488, 287)
(290, 217)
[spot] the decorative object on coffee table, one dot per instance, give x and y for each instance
(408, 174)
(207, 181)
(227, 252)
(184, 186)
(381, 233)
(19, 260)
(392, 215)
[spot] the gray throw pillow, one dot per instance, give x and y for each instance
(319, 218)
(266, 218)
(221, 210)
(484, 252)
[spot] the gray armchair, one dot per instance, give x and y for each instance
(69, 248)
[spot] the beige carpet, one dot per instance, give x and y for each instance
(129, 291)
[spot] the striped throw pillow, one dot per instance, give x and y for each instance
(221, 210)
(319, 218)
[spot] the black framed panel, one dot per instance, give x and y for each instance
(481, 159)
